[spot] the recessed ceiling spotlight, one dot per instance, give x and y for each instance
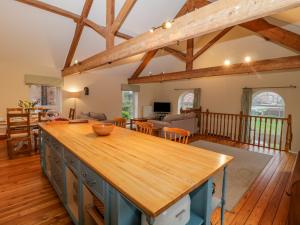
(167, 25)
(247, 59)
(76, 62)
(151, 30)
(227, 62)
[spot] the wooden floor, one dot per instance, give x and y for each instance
(26, 197)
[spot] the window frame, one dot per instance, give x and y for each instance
(254, 95)
(57, 107)
(135, 103)
(182, 96)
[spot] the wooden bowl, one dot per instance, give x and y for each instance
(103, 129)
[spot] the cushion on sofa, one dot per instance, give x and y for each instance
(170, 118)
(98, 116)
(184, 116)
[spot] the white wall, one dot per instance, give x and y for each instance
(223, 94)
(12, 86)
(105, 91)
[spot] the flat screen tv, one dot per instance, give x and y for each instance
(162, 107)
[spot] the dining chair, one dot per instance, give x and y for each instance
(72, 113)
(144, 127)
(42, 117)
(120, 122)
(18, 134)
(176, 134)
(14, 110)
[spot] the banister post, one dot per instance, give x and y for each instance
(206, 123)
(240, 127)
(289, 134)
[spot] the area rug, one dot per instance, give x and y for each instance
(242, 171)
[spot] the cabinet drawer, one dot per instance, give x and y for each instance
(93, 181)
(71, 161)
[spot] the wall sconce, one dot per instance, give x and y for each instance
(86, 91)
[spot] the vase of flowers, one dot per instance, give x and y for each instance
(27, 105)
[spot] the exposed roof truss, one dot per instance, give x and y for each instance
(188, 24)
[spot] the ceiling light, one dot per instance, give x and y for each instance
(227, 62)
(151, 30)
(167, 25)
(76, 62)
(247, 59)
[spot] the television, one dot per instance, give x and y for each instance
(162, 107)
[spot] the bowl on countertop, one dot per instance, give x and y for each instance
(103, 129)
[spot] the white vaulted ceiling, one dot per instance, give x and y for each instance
(34, 36)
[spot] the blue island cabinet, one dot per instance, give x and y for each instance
(89, 199)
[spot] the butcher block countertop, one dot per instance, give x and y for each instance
(151, 172)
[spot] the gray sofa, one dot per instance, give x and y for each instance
(187, 121)
(93, 116)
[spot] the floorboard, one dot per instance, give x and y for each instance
(27, 198)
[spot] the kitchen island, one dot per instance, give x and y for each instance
(114, 180)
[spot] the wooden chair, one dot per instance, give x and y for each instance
(42, 117)
(176, 134)
(18, 134)
(120, 122)
(72, 114)
(144, 127)
(14, 110)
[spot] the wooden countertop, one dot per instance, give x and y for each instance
(151, 172)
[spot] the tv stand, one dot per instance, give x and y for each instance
(160, 115)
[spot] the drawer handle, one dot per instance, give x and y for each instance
(180, 213)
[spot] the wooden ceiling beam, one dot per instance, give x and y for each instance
(125, 10)
(190, 42)
(179, 55)
(189, 54)
(124, 36)
(97, 28)
(51, 8)
(78, 32)
(150, 55)
(278, 64)
(213, 17)
(147, 58)
(110, 17)
(212, 42)
(274, 33)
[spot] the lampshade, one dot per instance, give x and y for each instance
(73, 94)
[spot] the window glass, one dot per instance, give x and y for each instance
(186, 101)
(267, 104)
(129, 104)
(45, 96)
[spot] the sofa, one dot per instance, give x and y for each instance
(187, 121)
(93, 116)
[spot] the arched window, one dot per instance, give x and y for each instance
(186, 100)
(268, 104)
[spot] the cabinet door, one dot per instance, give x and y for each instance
(122, 211)
(48, 160)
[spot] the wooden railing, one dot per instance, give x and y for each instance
(260, 131)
